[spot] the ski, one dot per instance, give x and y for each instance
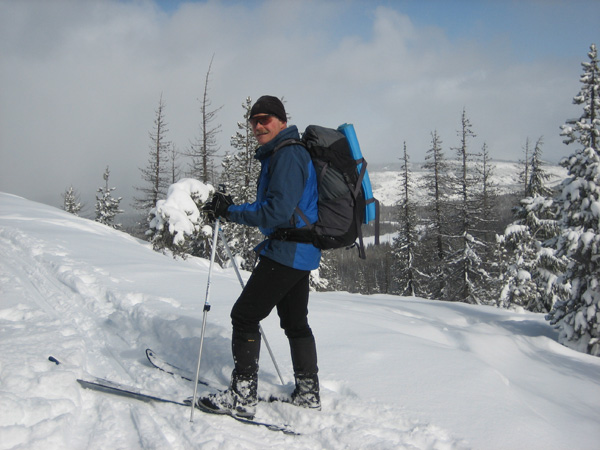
(172, 369)
(165, 366)
(110, 387)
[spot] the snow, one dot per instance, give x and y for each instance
(396, 372)
(505, 177)
(179, 210)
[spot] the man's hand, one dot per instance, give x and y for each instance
(217, 206)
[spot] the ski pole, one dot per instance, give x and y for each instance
(213, 252)
(239, 275)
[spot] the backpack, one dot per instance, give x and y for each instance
(345, 197)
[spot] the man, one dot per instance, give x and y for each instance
(287, 183)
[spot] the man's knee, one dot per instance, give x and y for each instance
(242, 322)
(298, 332)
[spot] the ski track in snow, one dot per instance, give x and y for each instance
(52, 302)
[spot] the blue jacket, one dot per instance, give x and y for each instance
(287, 180)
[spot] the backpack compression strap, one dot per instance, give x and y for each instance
(361, 175)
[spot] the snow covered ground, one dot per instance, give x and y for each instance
(396, 372)
(387, 189)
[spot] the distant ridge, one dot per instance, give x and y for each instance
(385, 179)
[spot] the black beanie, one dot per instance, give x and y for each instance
(268, 104)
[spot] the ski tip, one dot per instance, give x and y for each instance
(54, 360)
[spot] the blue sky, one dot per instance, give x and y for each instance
(533, 28)
(85, 77)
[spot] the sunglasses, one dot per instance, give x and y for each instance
(263, 120)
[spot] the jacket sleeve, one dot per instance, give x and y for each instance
(288, 172)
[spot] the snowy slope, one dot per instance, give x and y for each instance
(396, 372)
(386, 180)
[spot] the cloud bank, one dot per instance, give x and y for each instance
(81, 82)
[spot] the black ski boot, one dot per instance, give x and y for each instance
(306, 394)
(239, 400)
(242, 396)
(304, 360)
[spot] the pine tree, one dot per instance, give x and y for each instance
(334, 270)
(107, 206)
(485, 225)
(245, 167)
(382, 256)
(536, 185)
(578, 317)
(240, 172)
(436, 185)
(464, 264)
(487, 194)
(525, 244)
(175, 171)
(404, 246)
(206, 145)
(586, 130)
(71, 202)
(156, 173)
(524, 174)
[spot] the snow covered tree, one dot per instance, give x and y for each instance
(245, 169)
(536, 185)
(205, 146)
(528, 262)
(484, 227)
(586, 130)
(316, 282)
(578, 317)
(71, 202)
(487, 193)
(107, 206)
(335, 269)
(464, 264)
(436, 183)
(406, 275)
(240, 172)
(156, 173)
(517, 254)
(177, 223)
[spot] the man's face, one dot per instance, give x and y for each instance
(265, 127)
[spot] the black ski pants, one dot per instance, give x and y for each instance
(273, 285)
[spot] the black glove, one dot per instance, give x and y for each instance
(217, 206)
